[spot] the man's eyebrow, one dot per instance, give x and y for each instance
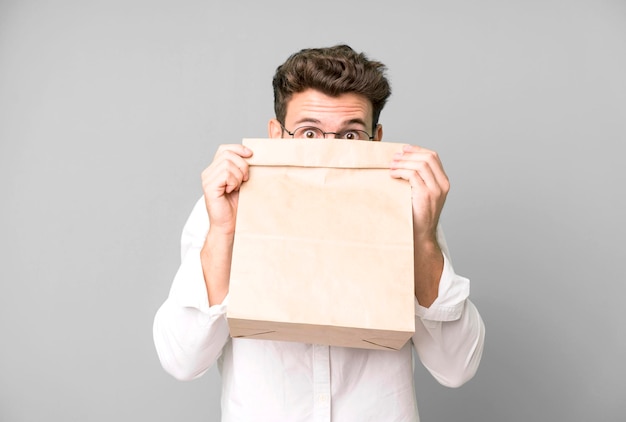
(346, 123)
(307, 120)
(355, 121)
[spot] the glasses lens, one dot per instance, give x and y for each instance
(357, 135)
(308, 132)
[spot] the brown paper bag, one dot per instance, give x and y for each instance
(323, 248)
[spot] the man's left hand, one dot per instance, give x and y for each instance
(422, 168)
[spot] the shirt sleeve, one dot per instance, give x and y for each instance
(449, 335)
(188, 334)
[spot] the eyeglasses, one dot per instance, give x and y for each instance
(312, 132)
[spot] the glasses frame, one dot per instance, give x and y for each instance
(369, 137)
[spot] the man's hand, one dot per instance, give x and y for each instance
(221, 182)
(422, 168)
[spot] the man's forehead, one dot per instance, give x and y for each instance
(316, 106)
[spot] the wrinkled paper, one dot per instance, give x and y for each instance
(323, 249)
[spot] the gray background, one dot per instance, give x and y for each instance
(109, 110)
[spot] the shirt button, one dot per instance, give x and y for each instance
(322, 398)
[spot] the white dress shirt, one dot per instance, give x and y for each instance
(264, 380)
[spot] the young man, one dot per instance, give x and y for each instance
(328, 92)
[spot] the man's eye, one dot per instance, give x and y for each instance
(351, 135)
(309, 133)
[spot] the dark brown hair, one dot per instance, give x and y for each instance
(333, 71)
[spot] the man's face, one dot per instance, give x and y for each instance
(330, 114)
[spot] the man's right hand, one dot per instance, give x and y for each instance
(221, 182)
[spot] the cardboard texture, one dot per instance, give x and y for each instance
(323, 248)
